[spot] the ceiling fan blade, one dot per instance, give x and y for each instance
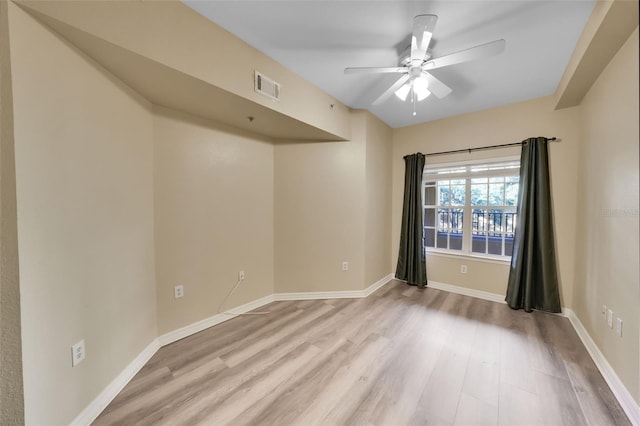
(375, 70)
(438, 88)
(391, 90)
(481, 51)
(423, 26)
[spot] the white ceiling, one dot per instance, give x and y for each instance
(318, 39)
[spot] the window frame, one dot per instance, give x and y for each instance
(465, 173)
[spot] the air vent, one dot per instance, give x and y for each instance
(266, 86)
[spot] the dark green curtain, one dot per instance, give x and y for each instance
(411, 257)
(533, 278)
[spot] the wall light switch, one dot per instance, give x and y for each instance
(463, 269)
(610, 318)
(619, 327)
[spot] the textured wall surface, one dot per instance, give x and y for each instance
(84, 182)
(11, 389)
(378, 191)
(607, 271)
(214, 217)
(319, 213)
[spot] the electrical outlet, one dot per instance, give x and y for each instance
(610, 318)
(241, 275)
(463, 269)
(77, 353)
(178, 291)
(619, 327)
(345, 266)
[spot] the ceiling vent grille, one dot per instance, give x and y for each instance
(266, 86)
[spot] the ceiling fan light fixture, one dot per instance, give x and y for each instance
(422, 96)
(421, 88)
(403, 92)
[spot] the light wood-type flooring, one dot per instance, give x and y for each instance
(402, 356)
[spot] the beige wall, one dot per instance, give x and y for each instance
(319, 213)
(214, 216)
(171, 34)
(11, 389)
(511, 123)
(607, 271)
(378, 207)
(85, 205)
(332, 205)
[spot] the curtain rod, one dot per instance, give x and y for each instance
(470, 150)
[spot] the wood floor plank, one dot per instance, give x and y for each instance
(482, 380)
(231, 380)
(518, 407)
(544, 358)
(292, 394)
(323, 403)
(443, 389)
(401, 356)
(515, 362)
(559, 401)
(225, 338)
(398, 389)
(255, 346)
(140, 385)
(247, 394)
(388, 377)
(144, 408)
(594, 396)
(473, 411)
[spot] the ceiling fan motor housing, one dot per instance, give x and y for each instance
(415, 71)
(405, 57)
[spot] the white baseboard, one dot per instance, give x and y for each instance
(315, 295)
(93, 410)
(479, 294)
(347, 294)
(378, 284)
(629, 405)
(198, 326)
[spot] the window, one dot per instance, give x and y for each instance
(471, 208)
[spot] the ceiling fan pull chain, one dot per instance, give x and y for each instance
(414, 101)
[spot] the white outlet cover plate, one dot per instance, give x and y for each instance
(178, 291)
(77, 353)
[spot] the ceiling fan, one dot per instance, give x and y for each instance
(416, 78)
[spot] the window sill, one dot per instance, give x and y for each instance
(495, 260)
